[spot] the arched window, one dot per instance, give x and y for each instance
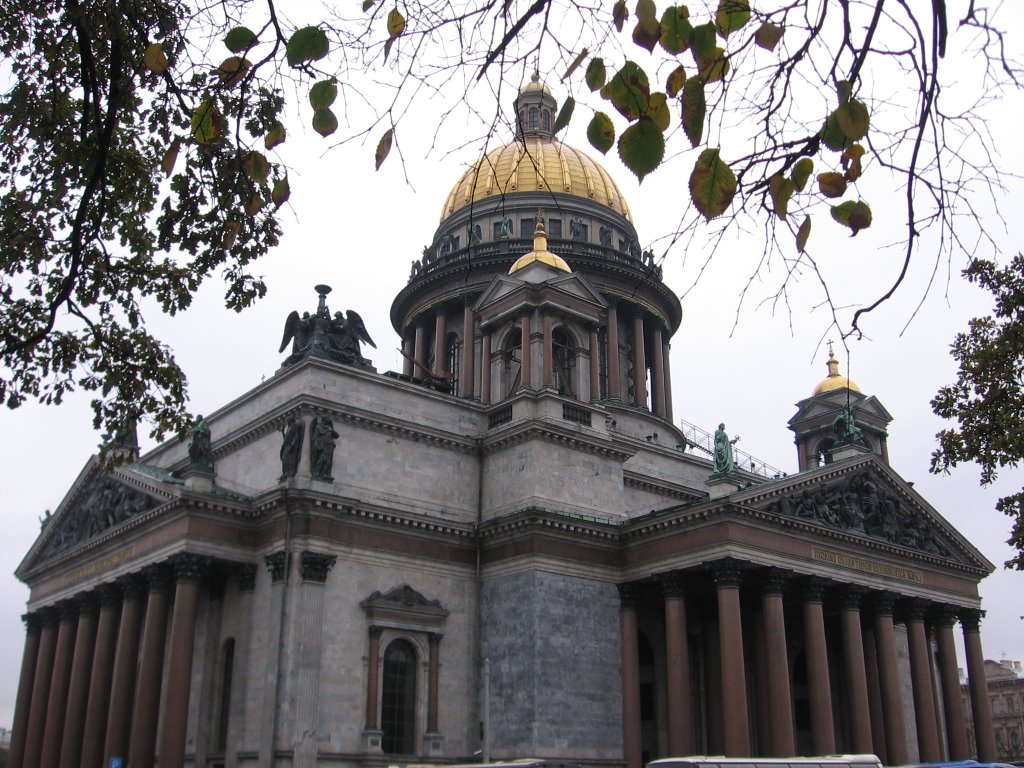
(454, 355)
(533, 118)
(823, 453)
(564, 362)
(512, 360)
(398, 699)
(546, 119)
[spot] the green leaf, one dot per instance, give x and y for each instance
(307, 44)
(619, 14)
(802, 172)
(803, 234)
(323, 94)
(694, 109)
(768, 36)
(854, 120)
(254, 203)
(325, 122)
(396, 23)
(564, 115)
(239, 39)
(387, 46)
(731, 16)
(712, 184)
(368, 4)
(647, 31)
(383, 148)
(601, 132)
(781, 190)
(642, 147)
(276, 135)
(832, 135)
(207, 123)
(853, 214)
(596, 74)
(256, 167)
(628, 91)
(676, 81)
(281, 192)
(659, 112)
(702, 41)
(676, 29)
(832, 184)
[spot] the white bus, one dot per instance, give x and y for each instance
(825, 761)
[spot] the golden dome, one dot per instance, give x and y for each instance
(535, 84)
(834, 381)
(540, 252)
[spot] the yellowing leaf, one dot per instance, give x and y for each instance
(658, 111)
(154, 59)
(781, 190)
(383, 148)
(253, 205)
(647, 31)
(731, 16)
(281, 192)
(595, 75)
(714, 68)
(230, 233)
(256, 167)
(851, 161)
(646, 10)
(325, 122)
(802, 172)
(642, 147)
(564, 115)
(619, 14)
(832, 184)
(832, 135)
(712, 184)
(676, 81)
(170, 157)
(206, 123)
(601, 132)
(768, 36)
(676, 29)
(275, 136)
(232, 70)
(854, 120)
(628, 91)
(694, 109)
(853, 214)
(575, 64)
(803, 234)
(396, 23)
(239, 39)
(323, 94)
(307, 44)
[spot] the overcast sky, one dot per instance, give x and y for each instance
(746, 365)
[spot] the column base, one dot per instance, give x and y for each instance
(432, 744)
(372, 740)
(722, 485)
(200, 480)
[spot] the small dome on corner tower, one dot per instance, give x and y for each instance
(834, 381)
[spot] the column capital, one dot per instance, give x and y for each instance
(812, 589)
(277, 565)
(971, 618)
(375, 631)
(313, 566)
(884, 603)
(851, 596)
(943, 615)
(434, 638)
(772, 581)
(245, 576)
(108, 594)
(87, 602)
(132, 585)
(673, 584)
(158, 577)
(726, 572)
(188, 566)
(33, 622)
(914, 609)
(68, 609)
(629, 593)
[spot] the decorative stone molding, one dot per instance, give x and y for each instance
(33, 622)
(108, 594)
(87, 603)
(313, 566)
(851, 596)
(884, 603)
(943, 615)
(404, 605)
(913, 609)
(277, 565)
(132, 586)
(629, 594)
(158, 577)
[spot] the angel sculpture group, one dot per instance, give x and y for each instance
(335, 338)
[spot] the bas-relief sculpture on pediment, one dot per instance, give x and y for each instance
(101, 504)
(863, 504)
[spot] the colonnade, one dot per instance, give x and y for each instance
(90, 682)
(869, 693)
(647, 332)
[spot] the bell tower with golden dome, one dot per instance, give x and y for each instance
(819, 420)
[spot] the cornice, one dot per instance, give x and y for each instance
(520, 432)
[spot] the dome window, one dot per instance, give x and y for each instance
(533, 118)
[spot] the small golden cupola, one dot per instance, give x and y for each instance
(834, 380)
(540, 253)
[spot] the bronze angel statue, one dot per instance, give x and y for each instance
(320, 335)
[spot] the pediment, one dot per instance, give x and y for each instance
(571, 292)
(867, 499)
(98, 501)
(825, 406)
(405, 605)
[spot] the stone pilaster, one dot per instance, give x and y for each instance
(631, 736)
(313, 567)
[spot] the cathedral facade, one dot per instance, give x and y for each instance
(505, 550)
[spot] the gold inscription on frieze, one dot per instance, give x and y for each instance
(863, 564)
(99, 566)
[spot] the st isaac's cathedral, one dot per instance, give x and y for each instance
(505, 550)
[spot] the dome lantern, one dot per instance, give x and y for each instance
(536, 110)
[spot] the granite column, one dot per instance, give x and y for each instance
(984, 735)
(142, 741)
(23, 702)
(734, 714)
